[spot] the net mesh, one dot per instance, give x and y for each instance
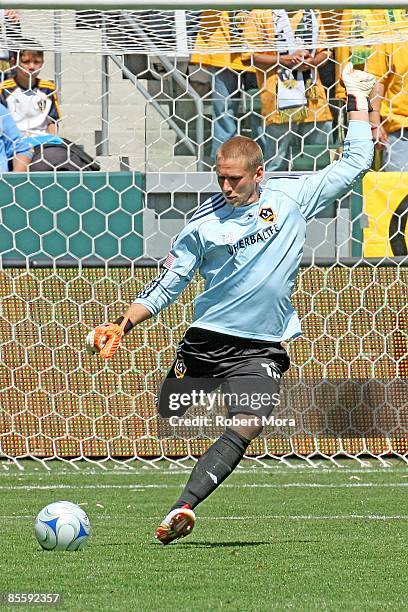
(57, 401)
(77, 246)
(175, 32)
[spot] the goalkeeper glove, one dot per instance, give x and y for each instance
(105, 339)
(358, 86)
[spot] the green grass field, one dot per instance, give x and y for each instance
(281, 538)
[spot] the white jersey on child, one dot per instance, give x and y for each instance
(31, 109)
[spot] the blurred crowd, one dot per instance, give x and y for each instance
(296, 98)
(299, 90)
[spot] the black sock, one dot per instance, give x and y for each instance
(213, 468)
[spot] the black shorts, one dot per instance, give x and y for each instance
(242, 368)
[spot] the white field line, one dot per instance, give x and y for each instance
(143, 487)
(308, 517)
(262, 517)
(149, 471)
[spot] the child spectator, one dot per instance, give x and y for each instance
(32, 102)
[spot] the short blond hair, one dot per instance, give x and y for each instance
(241, 147)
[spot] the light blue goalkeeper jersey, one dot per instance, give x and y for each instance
(249, 256)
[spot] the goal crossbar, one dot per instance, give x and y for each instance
(183, 5)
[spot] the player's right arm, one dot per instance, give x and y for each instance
(182, 261)
(313, 193)
(380, 65)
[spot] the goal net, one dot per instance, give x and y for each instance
(174, 32)
(143, 94)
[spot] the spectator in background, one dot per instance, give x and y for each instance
(355, 24)
(9, 24)
(32, 102)
(294, 101)
(389, 63)
(223, 30)
(14, 149)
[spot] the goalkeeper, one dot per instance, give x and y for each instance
(247, 244)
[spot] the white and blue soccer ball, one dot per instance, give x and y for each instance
(62, 526)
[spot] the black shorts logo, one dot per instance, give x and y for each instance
(267, 214)
(272, 370)
(180, 368)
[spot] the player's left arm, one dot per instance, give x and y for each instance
(314, 193)
(105, 339)
(179, 268)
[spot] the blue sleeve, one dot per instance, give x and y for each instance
(14, 142)
(54, 109)
(314, 193)
(182, 261)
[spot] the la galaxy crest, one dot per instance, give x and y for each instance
(180, 368)
(42, 105)
(267, 214)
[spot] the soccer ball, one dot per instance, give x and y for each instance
(62, 526)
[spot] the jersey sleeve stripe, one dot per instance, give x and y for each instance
(151, 286)
(208, 212)
(47, 84)
(208, 206)
(211, 200)
(8, 86)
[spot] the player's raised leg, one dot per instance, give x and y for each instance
(210, 471)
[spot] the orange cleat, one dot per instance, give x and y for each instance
(179, 523)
